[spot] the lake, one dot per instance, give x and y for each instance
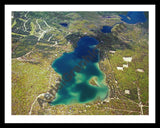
(64, 24)
(134, 17)
(106, 29)
(77, 68)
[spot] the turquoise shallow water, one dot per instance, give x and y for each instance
(77, 68)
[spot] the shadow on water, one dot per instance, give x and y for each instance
(107, 42)
(73, 38)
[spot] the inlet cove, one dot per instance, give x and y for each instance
(78, 69)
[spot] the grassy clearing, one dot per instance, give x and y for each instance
(28, 80)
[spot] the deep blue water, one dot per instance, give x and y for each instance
(77, 68)
(106, 29)
(133, 17)
(64, 24)
(130, 18)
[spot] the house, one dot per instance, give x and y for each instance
(139, 70)
(127, 91)
(112, 52)
(120, 68)
(125, 65)
(69, 42)
(127, 59)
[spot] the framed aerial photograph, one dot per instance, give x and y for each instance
(80, 63)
